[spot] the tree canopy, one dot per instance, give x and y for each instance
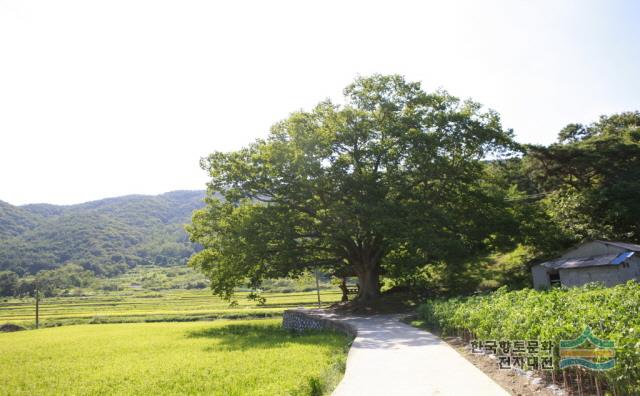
(591, 178)
(388, 181)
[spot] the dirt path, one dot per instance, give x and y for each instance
(391, 358)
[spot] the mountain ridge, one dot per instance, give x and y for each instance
(106, 236)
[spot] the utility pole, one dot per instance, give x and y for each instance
(37, 307)
(318, 287)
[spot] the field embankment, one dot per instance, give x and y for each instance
(144, 306)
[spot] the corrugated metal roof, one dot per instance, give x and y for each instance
(581, 262)
(622, 257)
(624, 245)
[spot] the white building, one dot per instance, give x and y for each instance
(610, 263)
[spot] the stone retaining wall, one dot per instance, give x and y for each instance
(301, 320)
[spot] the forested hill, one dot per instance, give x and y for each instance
(105, 236)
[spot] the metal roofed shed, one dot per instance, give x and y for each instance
(610, 263)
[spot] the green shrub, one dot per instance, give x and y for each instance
(556, 314)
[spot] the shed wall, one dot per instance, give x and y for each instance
(540, 277)
(609, 275)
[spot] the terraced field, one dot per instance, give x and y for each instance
(146, 306)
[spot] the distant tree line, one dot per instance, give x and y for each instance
(48, 283)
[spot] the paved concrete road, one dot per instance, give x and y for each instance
(391, 358)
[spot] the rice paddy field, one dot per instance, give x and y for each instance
(152, 306)
(167, 342)
(223, 357)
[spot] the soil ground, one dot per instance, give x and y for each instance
(518, 385)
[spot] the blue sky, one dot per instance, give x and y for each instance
(109, 98)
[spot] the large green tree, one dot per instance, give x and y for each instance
(591, 178)
(390, 180)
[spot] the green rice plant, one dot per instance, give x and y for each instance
(240, 357)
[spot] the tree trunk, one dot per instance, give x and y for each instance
(369, 282)
(365, 258)
(345, 290)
